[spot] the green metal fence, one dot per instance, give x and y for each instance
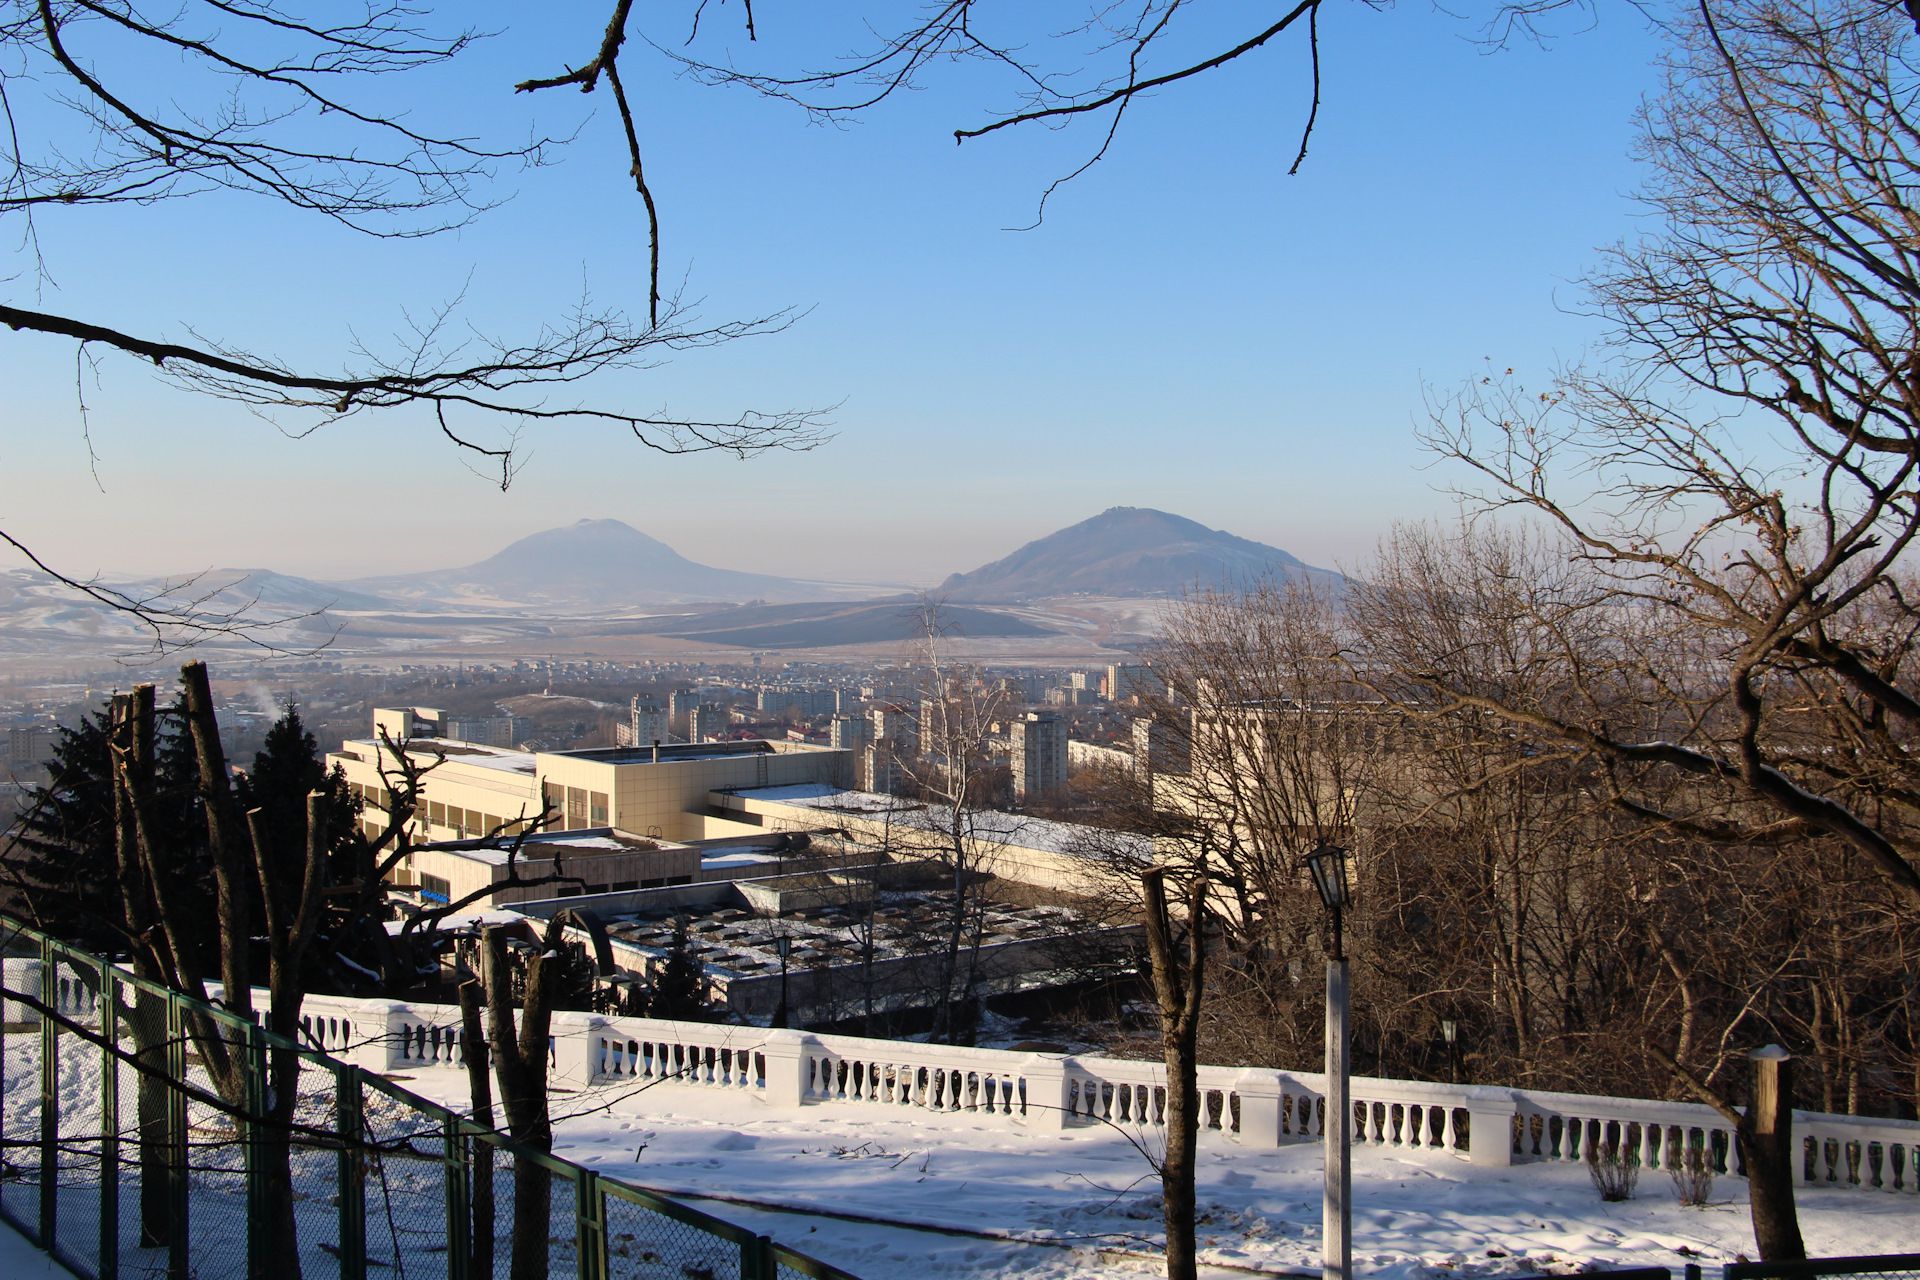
(120, 1157)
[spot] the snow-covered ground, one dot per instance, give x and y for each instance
(888, 1192)
(19, 1260)
(975, 1201)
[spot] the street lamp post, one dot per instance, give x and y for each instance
(1328, 866)
(782, 944)
(1450, 1028)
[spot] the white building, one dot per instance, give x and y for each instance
(1039, 755)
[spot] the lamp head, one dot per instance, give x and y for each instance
(1328, 866)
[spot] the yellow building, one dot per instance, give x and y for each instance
(467, 790)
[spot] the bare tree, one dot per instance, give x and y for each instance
(1741, 481)
(950, 771)
(108, 104)
(1179, 983)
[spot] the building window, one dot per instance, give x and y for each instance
(435, 889)
(597, 808)
(576, 808)
(437, 813)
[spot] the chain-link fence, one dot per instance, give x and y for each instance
(141, 1133)
(1882, 1266)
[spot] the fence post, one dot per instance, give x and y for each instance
(178, 1260)
(459, 1220)
(49, 1095)
(756, 1259)
(109, 1122)
(590, 1236)
(1490, 1115)
(259, 1212)
(576, 1044)
(1048, 1093)
(1259, 1093)
(785, 1053)
(351, 1175)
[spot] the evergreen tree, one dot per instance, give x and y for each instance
(285, 771)
(61, 857)
(677, 990)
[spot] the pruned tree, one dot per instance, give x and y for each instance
(519, 1048)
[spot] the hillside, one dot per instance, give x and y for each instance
(1130, 552)
(592, 565)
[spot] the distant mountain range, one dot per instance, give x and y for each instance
(1131, 552)
(604, 577)
(592, 565)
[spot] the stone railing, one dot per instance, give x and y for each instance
(1042, 1093)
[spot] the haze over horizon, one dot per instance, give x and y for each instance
(1190, 330)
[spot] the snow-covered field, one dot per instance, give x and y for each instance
(971, 1201)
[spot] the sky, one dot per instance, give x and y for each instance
(1190, 329)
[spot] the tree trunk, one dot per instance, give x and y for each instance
(474, 1042)
(520, 1065)
(1766, 1140)
(148, 1022)
(1177, 990)
(130, 767)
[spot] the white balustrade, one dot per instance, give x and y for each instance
(694, 1053)
(1050, 1092)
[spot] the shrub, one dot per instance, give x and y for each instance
(1615, 1170)
(1692, 1174)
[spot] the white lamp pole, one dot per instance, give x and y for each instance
(1328, 865)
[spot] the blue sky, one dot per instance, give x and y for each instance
(1191, 329)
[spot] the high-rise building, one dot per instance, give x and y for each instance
(490, 731)
(878, 769)
(1157, 749)
(680, 705)
(647, 723)
(705, 723)
(894, 726)
(29, 746)
(1039, 755)
(1132, 682)
(851, 733)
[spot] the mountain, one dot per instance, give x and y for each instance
(279, 594)
(596, 565)
(1131, 552)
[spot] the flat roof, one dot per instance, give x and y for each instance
(1015, 830)
(472, 753)
(547, 845)
(670, 752)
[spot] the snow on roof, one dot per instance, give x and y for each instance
(1016, 830)
(739, 858)
(472, 917)
(551, 844)
(458, 752)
